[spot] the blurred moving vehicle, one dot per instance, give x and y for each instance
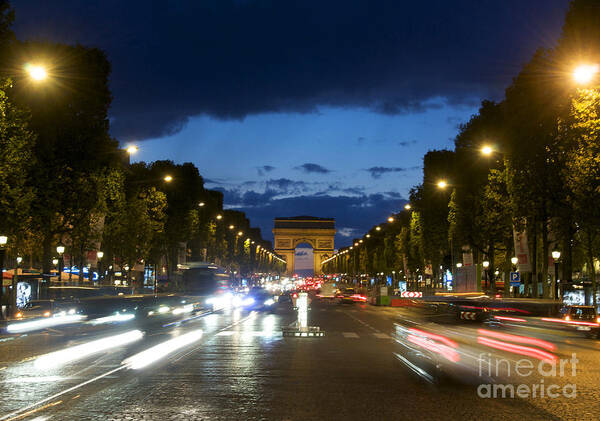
(46, 308)
(259, 299)
(351, 296)
(582, 318)
(328, 290)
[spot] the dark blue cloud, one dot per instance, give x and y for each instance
(377, 172)
(265, 169)
(312, 168)
(405, 143)
(230, 58)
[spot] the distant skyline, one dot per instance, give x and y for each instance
(323, 108)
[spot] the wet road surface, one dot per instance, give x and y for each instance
(237, 366)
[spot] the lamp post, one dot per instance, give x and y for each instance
(13, 293)
(486, 265)
(100, 255)
(3, 241)
(556, 256)
(60, 249)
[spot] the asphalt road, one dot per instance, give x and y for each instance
(239, 367)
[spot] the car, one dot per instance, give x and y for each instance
(351, 296)
(259, 299)
(582, 318)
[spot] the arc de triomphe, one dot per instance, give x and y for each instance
(318, 232)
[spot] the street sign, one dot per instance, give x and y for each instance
(515, 279)
(411, 294)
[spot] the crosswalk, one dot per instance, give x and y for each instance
(277, 333)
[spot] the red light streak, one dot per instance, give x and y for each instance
(519, 339)
(571, 322)
(440, 338)
(444, 351)
(518, 349)
(510, 319)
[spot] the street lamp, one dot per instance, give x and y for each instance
(37, 73)
(201, 204)
(60, 249)
(487, 150)
(131, 149)
(378, 228)
(168, 178)
(219, 217)
(19, 260)
(585, 73)
(231, 227)
(556, 256)
(407, 206)
(3, 241)
(486, 265)
(514, 260)
(391, 219)
(100, 255)
(459, 265)
(442, 184)
(55, 262)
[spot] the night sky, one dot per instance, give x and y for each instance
(322, 108)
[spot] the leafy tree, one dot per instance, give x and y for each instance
(16, 159)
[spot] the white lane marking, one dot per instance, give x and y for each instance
(363, 323)
(424, 375)
(350, 335)
(77, 386)
(382, 335)
(38, 403)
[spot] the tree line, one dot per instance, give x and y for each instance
(65, 180)
(528, 165)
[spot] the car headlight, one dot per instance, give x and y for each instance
(249, 301)
(72, 311)
(269, 302)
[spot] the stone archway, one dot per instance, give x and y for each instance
(318, 232)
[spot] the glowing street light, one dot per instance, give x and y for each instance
(131, 149)
(407, 206)
(486, 264)
(168, 178)
(514, 260)
(201, 204)
(231, 227)
(487, 150)
(37, 73)
(219, 217)
(240, 234)
(442, 184)
(390, 219)
(459, 265)
(585, 73)
(368, 235)
(378, 228)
